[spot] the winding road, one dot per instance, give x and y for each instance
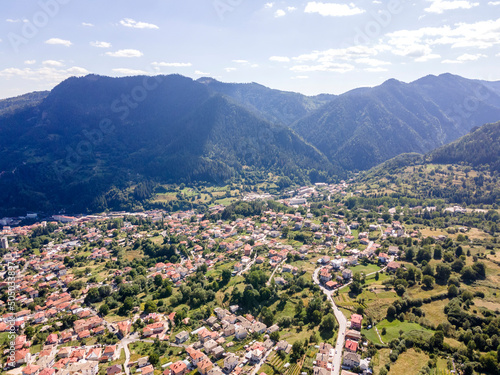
(341, 319)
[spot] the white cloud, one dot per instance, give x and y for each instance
(279, 59)
(100, 44)
(324, 67)
(341, 54)
(128, 22)
(229, 70)
(333, 9)
(200, 73)
(54, 63)
(440, 6)
(86, 24)
(77, 71)
(494, 3)
(466, 57)
(300, 77)
(371, 62)
(451, 62)
(279, 13)
(430, 56)
(125, 53)
(482, 35)
(240, 61)
(47, 74)
(172, 65)
(376, 70)
(130, 72)
(291, 9)
(57, 41)
(268, 5)
(30, 62)
(254, 66)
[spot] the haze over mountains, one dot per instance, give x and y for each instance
(93, 137)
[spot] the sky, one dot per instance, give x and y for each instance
(310, 47)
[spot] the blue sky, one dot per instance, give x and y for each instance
(305, 46)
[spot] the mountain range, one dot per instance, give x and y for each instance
(84, 143)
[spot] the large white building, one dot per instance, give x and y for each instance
(5, 243)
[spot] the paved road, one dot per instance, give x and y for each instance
(127, 356)
(337, 359)
(275, 269)
(249, 265)
(258, 365)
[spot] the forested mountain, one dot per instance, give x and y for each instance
(13, 104)
(465, 171)
(479, 148)
(94, 142)
(92, 137)
(365, 127)
(274, 105)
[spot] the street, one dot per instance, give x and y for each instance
(341, 319)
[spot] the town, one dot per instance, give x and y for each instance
(215, 293)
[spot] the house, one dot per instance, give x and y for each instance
(383, 258)
(273, 328)
(259, 327)
(230, 363)
(65, 352)
(109, 353)
(325, 275)
(22, 356)
(351, 360)
(229, 330)
(256, 355)
(322, 360)
(218, 352)
(94, 354)
(290, 269)
(238, 267)
(148, 370)
(143, 362)
(153, 329)
(47, 371)
(181, 337)
(177, 368)
(283, 346)
(113, 370)
(356, 321)
(31, 370)
(240, 333)
(124, 327)
(325, 348)
(351, 346)
(353, 335)
(331, 285)
(83, 334)
(196, 357)
(320, 371)
(347, 274)
(393, 250)
(204, 366)
(215, 371)
(209, 346)
(46, 359)
(393, 266)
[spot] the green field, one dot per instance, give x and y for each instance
(393, 328)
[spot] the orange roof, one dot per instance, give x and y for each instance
(351, 345)
(356, 318)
